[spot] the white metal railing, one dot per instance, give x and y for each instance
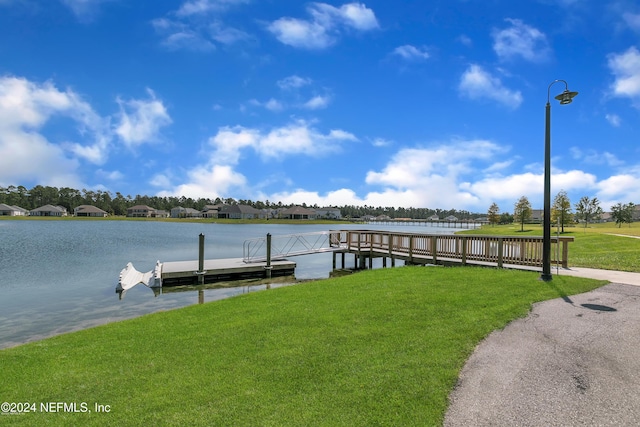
(288, 245)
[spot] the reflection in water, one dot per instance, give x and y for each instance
(237, 287)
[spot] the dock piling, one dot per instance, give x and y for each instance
(268, 266)
(201, 259)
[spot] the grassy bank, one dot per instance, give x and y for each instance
(381, 347)
(599, 246)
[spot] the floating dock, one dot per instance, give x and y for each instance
(178, 273)
(226, 269)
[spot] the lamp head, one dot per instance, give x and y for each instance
(566, 97)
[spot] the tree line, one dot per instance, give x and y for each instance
(117, 204)
(586, 210)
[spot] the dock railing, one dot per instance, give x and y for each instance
(421, 248)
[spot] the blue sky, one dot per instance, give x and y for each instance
(433, 104)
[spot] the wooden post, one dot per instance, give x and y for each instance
(500, 251)
(464, 249)
(434, 249)
(201, 259)
(565, 254)
(411, 249)
(268, 267)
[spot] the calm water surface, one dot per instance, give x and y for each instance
(60, 276)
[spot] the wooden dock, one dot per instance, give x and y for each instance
(417, 248)
(217, 270)
(178, 273)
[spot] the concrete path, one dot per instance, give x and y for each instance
(574, 361)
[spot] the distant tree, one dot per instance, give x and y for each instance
(588, 209)
(561, 210)
(522, 211)
(623, 213)
(493, 215)
(506, 218)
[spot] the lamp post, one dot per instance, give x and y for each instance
(565, 98)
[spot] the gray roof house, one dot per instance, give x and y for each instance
(329, 213)
(89, 210)
(298, 212)
(49, 210)
(7, 210)
(180, 212)
(210, 211)
(141, 211)
(238, 212)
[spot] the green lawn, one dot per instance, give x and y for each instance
(379, 347)
(595, 247)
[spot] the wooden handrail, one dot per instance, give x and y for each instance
(446, 248)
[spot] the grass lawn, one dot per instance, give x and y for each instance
(598, 246)
(380, 347)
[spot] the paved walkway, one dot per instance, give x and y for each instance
(574, 361)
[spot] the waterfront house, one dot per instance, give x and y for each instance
(141, 211)
(210, 211)
(434, 217)
(451, 218)
(89, 210)
(159, 213)
(238, 212)
(328, 213)
(49, 210)
(536, 215)
(298, 212)
(6, 210)
(180, 212)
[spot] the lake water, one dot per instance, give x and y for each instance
(60, 276)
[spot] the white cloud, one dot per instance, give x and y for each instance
(511, 187)
(622, 188)
(218, 177)
(381, 142)
(591, 156)
(85, 10)
(25, 154)
(178, 35)
(225, 34)
(412, 166)
(613, 119)
(210, 182)
(274, 105)
(141, 120)
(296, 138)
(199, 7)
(327, 23)
(626, 69)
(317, 102)
(196, 26)
(632, 20)
(411, 53)
(520, 40)
(476, 83)
(355, 15)
(110, 175)
(302, 34)
(293, 82)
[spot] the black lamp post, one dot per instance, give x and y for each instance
(565, 98)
